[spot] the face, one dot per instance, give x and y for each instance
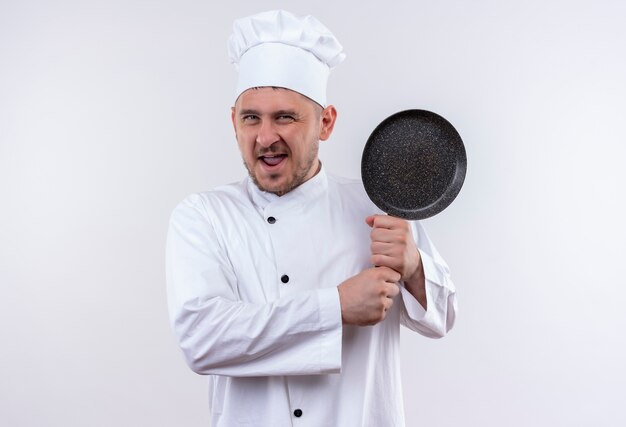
(278, 132)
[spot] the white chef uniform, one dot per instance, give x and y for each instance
(252, 287)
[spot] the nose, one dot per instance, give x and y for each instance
(267, 134)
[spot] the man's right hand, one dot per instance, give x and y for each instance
(366, 297)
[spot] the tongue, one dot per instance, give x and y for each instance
(273, 161)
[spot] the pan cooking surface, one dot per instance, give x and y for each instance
(413, 164)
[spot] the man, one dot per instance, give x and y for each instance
(271, 285)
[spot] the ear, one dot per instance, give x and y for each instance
(327, 123)
(232, 118)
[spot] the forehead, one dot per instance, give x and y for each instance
(273, 98)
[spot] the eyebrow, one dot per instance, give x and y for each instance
(248, 111)
(274, 113)
(285, 113)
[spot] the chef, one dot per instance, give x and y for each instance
(271, 286)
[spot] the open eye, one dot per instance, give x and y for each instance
(285, 118)
(249, 117)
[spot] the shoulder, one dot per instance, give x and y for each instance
(213, 202)
(352, 192)
(348, 185)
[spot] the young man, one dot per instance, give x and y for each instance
(270, 281)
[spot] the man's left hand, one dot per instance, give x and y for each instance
(393, 246)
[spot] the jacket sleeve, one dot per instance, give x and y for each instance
(220, 334)
(440, 315)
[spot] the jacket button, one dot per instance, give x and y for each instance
(297, 413)
(271, 220)
(284, 278)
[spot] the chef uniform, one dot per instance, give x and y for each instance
(252, 277)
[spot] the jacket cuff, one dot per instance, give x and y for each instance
(331, 325)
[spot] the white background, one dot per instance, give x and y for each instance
(112, 111)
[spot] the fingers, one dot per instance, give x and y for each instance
(396, 231)
(389, 275)
(392, 291)
(385, 221)
(384, 248)
(366, 297)
(384, 235)
(387, 255)
(381, 221)
(392, 244)
(381, 261)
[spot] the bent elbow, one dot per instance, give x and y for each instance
(443, 321)
(200, 359)
(199, 356)
(441, 330)
(438, 334)
(197, 363)
(433, 332)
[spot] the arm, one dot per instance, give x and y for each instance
(220, 334)
(428, 294)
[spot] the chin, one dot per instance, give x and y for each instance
(279, 190)
(271, 186)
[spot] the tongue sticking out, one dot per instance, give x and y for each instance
(273, 161)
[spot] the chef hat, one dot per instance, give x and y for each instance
(277, 48)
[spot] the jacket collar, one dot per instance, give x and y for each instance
(302, 195)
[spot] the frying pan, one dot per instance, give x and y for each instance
(413, 164)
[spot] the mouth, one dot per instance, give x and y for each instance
(272, 160)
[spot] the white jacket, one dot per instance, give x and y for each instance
(252, 289)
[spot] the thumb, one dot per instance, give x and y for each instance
(370, 220)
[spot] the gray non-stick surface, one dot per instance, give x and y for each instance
(413, 164)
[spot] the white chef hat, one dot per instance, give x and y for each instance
(277, 48)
